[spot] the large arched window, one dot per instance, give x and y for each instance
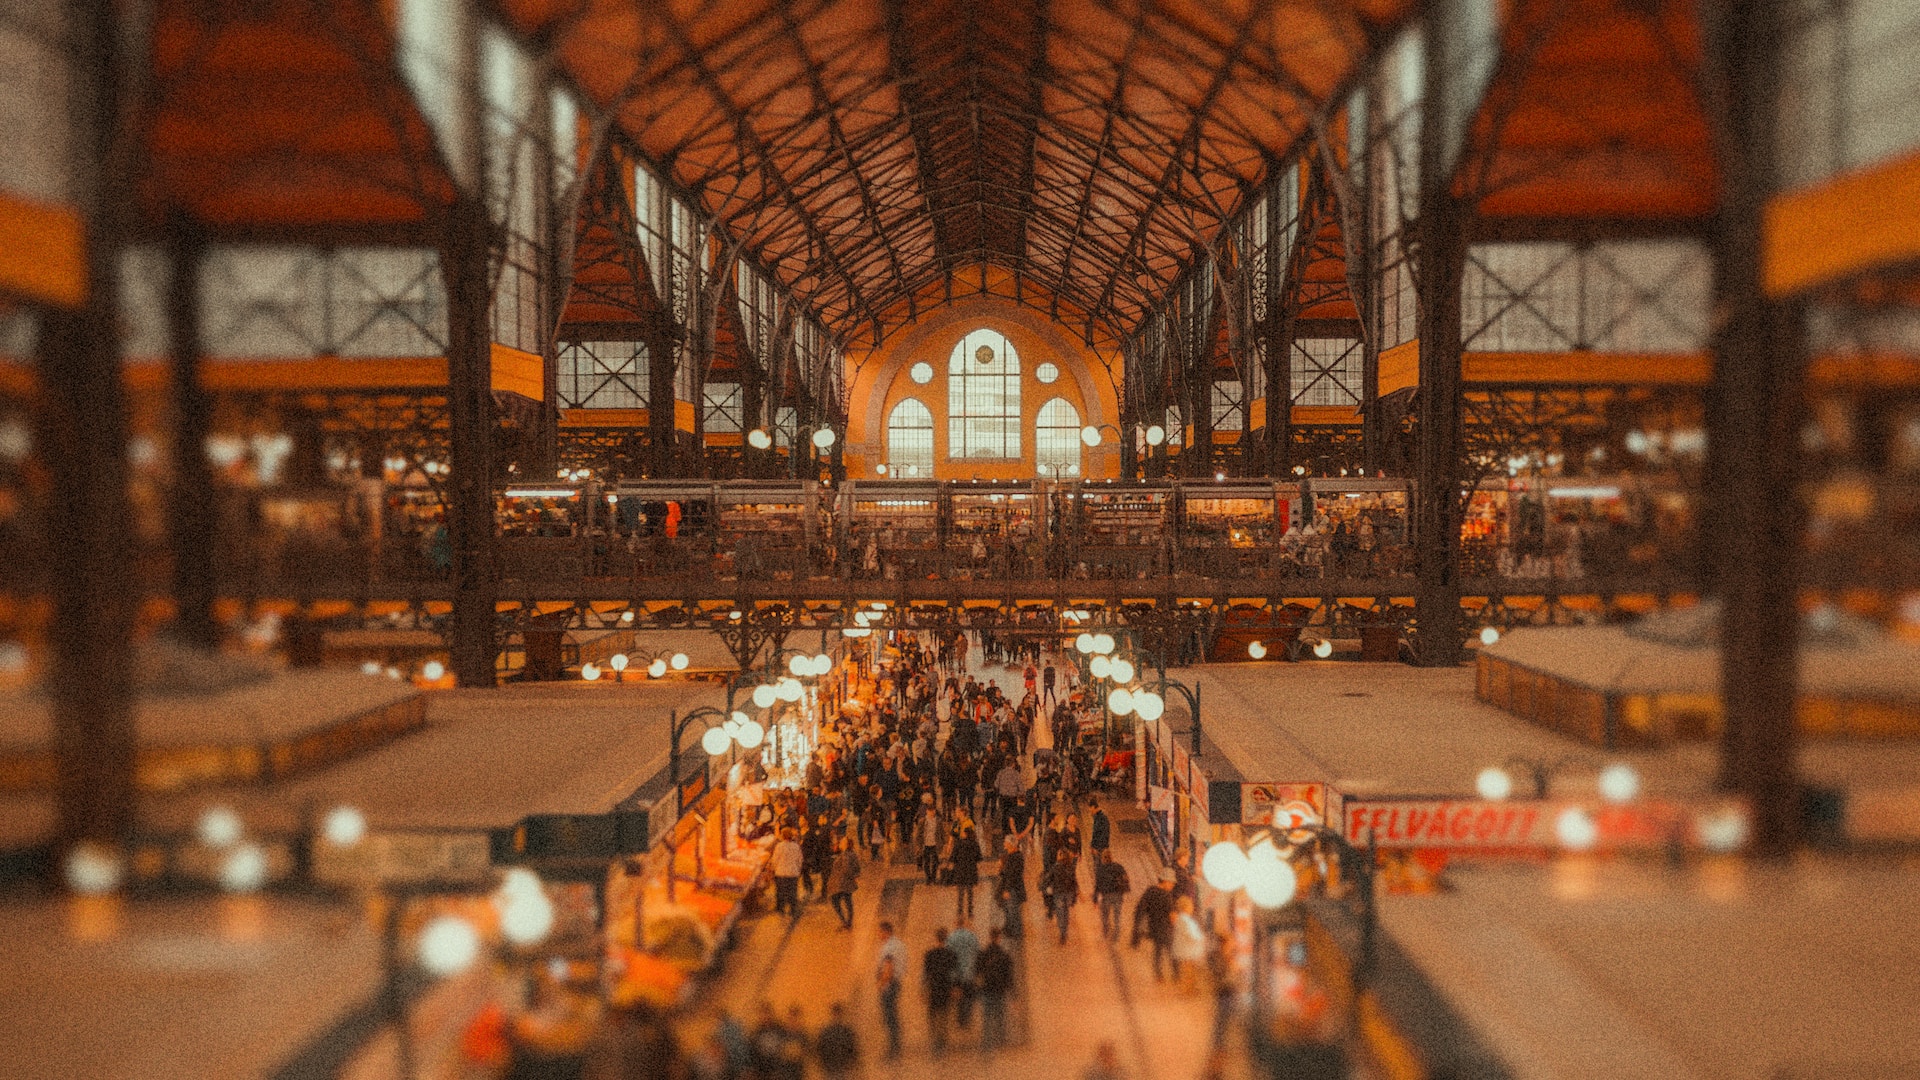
(1056, 440)
(910, 440)
(983, 398)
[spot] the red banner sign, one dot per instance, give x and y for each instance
(1457, 824)
(1441, 823)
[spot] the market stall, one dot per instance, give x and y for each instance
(1122, 530)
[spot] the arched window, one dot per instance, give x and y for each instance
(910, 440)
(1056, 440)
(983, 398)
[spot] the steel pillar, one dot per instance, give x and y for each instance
(470, 435)
(81, 417)
(191, 511)
(1756, 409)
(1441, 254)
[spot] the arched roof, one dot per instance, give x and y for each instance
(870, 150)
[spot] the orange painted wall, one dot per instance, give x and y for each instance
(880, 381)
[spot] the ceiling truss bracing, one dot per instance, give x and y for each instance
(867, 150)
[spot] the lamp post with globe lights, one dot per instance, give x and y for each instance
(737, 728)
(657, 665)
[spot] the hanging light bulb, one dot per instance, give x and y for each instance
(1489, 635)
(1101, 667)
(1090, 435)
(751, 734)
(823, 439)
(759, 439)
(657, 669)
(1156, 435)
(1122, 670)
(1120, 701)
(1271, 881)
(1493, 783)
(1148, 705)
(678, 661)
(799, 664)
(1084, 643)
(790, 690)
(764, 696)
(1103, 643)
(1619, 783)
(1224, 866)
(618, 662)
(449, 945)
(1323, 648)
(715, 741)
(1257, 650)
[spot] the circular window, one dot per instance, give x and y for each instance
(1046, 373)
(922, 373)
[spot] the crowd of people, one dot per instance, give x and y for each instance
(977, 787)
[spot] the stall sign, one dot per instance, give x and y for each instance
(406, 857)
(1289, 806)
(1468, 824)
(1449, 823)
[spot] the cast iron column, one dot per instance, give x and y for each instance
(1440, 262)
(1279, 332)
(190, 501)
(1759, 351)
(82, 438)
(470, 431)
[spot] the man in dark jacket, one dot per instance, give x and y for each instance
(1153, 918)
(1102, 827)
(1012, 889)
(1061, 886)
(938, 970)
(994, 973)
(1110, 888)
(965, 862)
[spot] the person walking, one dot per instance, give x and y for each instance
(1009, 785)
(1061, 887)
(1046, 683)
(788, 860)
(843, 876)
(889, 969)
(964, 863)
(993, 973)
(1153, 919)
(1012, 888)
(937, 973)
(1189, 942)
(836, 1048)
(1110, 889)
(929, 832)
(1099, 826)
(966, 953)
(873, 824)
